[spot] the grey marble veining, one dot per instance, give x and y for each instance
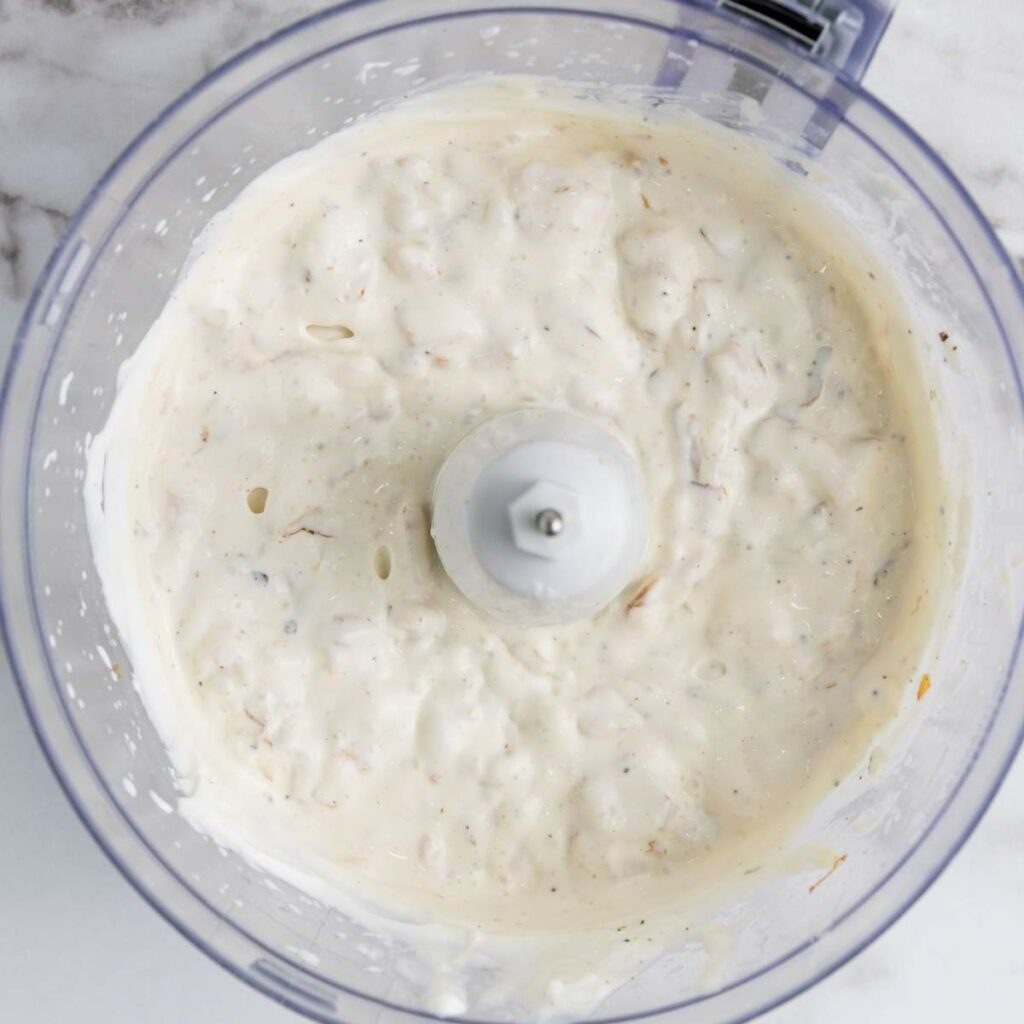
(78, 79)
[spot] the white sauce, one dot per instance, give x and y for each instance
(332, 702)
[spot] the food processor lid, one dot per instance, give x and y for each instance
(540, 516)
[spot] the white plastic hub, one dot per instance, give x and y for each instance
(539, 516)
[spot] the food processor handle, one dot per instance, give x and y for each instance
(843, 33)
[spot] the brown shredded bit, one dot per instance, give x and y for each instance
(258, 721)
(662, 161)
(638, 599)
(828, 874)
(655, 848)
(943, 336)
(441, 361)
(563, 188)
(115, 669)
(204, 435)
(646, 201)
(291, 531)
(298, 526)
(924, 686)
(347, 755)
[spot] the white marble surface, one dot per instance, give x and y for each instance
(78, 78)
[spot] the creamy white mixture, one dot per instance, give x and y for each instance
(327, 695)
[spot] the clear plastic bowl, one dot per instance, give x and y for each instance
(110, 277)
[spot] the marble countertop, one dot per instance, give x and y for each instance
(78, 79)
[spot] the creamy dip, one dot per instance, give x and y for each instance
(329, 699)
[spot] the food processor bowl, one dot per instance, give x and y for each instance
(897, 824)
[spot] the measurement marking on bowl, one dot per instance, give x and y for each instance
(294, 983)
(74, 267)
(62, 395)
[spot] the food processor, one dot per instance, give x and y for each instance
(782, 72)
